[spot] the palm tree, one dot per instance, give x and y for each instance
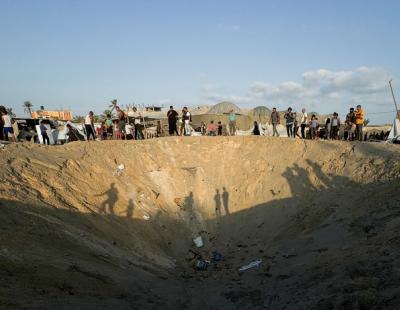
(113, 104)
(10, 112)
(28, 107)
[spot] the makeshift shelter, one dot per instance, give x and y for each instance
(395, 130)
(260, 114)
(224, 108)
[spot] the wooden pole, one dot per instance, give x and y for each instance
(394, 100)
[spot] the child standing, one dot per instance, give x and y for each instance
(219, 129)
(314, 127)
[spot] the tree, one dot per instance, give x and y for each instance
(10, 112)
(113, 104)
(105, 113)
(78, 119)
(28, 107)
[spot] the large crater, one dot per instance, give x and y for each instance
(323, 217)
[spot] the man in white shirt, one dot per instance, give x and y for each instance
(7, 127)
(335, 126)
(303, 122)
(187, 119)
(137, 121)
(89, 126)
(129, 131)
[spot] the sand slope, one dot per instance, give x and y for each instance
(323, 217)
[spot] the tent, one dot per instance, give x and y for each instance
(395, 130)
(224, 108)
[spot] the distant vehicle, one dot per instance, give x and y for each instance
(26, 128)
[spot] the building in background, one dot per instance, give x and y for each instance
(64, 115)
(153, 108)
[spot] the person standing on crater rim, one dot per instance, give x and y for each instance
(121, 121)
(43, 132)
(350, 125)
(359, 115)
(2, 111)
(7, 126)
(89, 126)
(275, 120)
(232, 122)
(289, 122)
(172, 118)
(186, 118)
(303, 122)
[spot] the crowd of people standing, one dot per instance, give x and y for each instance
(301, 125)
(211, 129)
(297, 125)
(120, 128)
(352, 130)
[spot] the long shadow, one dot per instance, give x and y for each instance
(130, 208)
(225, 200)
(217, 200)
(107, 206)
(189, 206)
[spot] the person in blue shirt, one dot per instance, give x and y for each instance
(232, 123)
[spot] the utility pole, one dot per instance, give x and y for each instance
(394, 100)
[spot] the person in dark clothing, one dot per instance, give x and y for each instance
(2, 111)
(256, 130)
(43, 132)
(349, 125)
(219, 129)
(289, 122)
(89, 126)
(172, 118)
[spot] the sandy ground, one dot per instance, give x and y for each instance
(324, 218)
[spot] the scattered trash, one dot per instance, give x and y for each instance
(253, 264)
(198, 241)
(216, 256)
(195, 254)
(146, 217)
(201, 264)
(120, 169)
(2, 145)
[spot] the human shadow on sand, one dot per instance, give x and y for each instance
(130, 208)
(221, 201)
(107, 206)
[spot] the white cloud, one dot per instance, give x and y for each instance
(322, 90)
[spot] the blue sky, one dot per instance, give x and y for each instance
(324, 55)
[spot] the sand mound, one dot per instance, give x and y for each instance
(224, 107)
(323, 217)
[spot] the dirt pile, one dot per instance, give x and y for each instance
(110, 224)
